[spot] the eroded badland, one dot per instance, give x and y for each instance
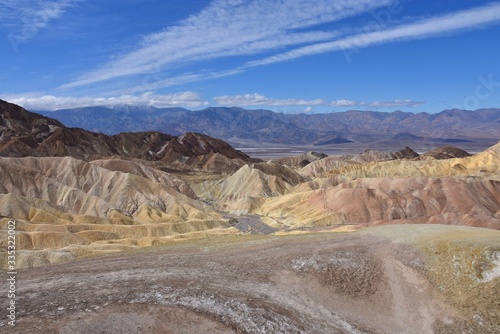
(150, 233)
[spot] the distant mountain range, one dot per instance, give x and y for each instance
(246, 127)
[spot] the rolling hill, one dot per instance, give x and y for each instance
(184, 234)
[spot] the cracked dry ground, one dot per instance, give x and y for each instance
(373, 281)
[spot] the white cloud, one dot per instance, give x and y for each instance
(50, 102)
(445, 24)
(34, 101)
(261, 100)
(237, 28)
(231, 28)
(31, 15)
(155, 80)
(24, 18)
(392, 104)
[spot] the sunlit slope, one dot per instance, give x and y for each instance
(485, 164)
(64, 202)
(245, 190)
(460, 191)
(390, 200)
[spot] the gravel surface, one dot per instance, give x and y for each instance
(316, 283)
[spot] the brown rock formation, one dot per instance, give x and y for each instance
(447, 152)
(28, 134)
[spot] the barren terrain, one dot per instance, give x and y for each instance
(391, 279)
(193, 236)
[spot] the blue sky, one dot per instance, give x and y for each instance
(287, 56)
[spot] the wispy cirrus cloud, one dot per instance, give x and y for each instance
(231, 28)
(430, 27)
(32, 14)
(153, 81)
(49, 102)
(261, 100)
(244, 28)
(23, 19)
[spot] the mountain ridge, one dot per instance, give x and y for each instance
(29, 134)
(239, 125)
